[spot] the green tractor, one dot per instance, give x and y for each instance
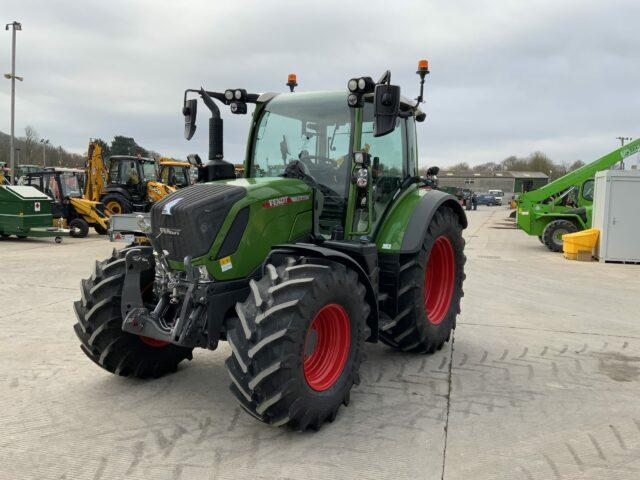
(295, 272)
(566, 204)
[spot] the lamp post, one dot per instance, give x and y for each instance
(12, 76)
(622, 140)
(44, 149)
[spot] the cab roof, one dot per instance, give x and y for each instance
(406, 104)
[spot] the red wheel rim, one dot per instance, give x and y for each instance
(327, 347)
(152, 342)
(439, 280)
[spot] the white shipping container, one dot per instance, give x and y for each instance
(616, 213)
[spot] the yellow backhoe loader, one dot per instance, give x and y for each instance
(123, 183)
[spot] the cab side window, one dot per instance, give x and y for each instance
(587, 190)
(387, 157)
(113, 172)
(412, 147)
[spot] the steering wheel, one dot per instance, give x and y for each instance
(314, 162)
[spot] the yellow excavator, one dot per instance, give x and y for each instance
(125, 183)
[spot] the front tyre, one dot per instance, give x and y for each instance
(99, 326)
(79, 228)
(297, 343)
(553, 232)
(430, 289)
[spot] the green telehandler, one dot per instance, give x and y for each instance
(294, 271)
(565, 205)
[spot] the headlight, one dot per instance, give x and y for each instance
(362, 83)
(238, 94)
(352, 85)
(362, 178)
(228, 94)
(352, 100)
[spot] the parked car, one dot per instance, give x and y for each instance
(489, 199)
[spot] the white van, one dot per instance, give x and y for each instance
(497, 193)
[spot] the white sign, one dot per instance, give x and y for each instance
(36, 206)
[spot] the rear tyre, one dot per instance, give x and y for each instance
(297, 343)
(79, 228)
(430, 289)
(99, 327)
(552, 234)
(115, 204)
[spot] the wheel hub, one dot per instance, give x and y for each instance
(439, 280)
(327, 347)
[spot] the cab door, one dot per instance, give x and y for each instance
(392, 159)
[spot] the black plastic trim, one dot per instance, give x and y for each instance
(235, 233)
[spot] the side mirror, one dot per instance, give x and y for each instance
(194, 160)
(433, 171)
(386, 105)
(189, 111)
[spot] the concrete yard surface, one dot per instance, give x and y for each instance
(541, 381)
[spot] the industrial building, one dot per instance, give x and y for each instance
(509, 181)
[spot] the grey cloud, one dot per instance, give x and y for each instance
(507, 77)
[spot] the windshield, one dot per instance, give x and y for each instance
(314, 128)
(149, 171)
(175, 176)
(70, 185)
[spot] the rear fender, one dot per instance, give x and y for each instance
(315, 251)
(409, 217)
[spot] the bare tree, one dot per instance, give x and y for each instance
(31, 138)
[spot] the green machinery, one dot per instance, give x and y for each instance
(26, 212)
(346, 245)
(565, 205)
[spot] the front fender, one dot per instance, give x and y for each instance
(311, 250)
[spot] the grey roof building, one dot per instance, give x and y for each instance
(508, 182)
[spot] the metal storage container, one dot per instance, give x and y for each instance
(616, 213)
(26, 212)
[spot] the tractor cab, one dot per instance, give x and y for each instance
(316, 133)
(132, 174)
(65, 187)
(58, 185)
(175, 173)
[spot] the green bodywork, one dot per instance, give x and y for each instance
(289, 220)
(25, 211)
(537, 208)
(270, 223)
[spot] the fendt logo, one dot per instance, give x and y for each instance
(170, 231)
(278, 202)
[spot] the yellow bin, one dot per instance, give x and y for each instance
(580, 245)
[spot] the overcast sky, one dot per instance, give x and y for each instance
(508, 77)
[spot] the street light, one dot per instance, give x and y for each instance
(15, 26)
(44, 147)
(622, 140)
